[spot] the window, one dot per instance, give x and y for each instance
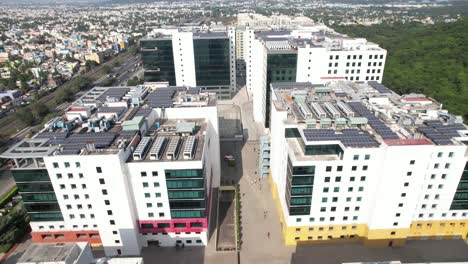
(67, 164)
(403, 195)
(145, 185)
(150, 215)
(327, 179)
(77, 164)
(109, 212)
(323, 209)
(158, 194)
(143, 174)
(328, 168)
(149, 205)
(70, 176)
(62, 186)
(359, 199)
(433, 176)
(335, 199)
(156, 184)
(324, 199)
(82, 216)
(90, 206)
(159, 205)
(79, 206)
(356, 208)
(450, 155)
(101, 181)
(406, 184)
(338, 179)
(69, 206)
(147, 195)
(72, 216)
(112, 222)
(354, 168)
(400, 205)
(444, 176)
(447, 165)
(86, 196)
(154, 173)
(73, 186)
(333, 209)
(114, 232)
(339, 168)
(348, 199)
(412, 162)
(312, 220)
(355, 218)
(350, 189)
(439, 155)
(352, 179)
(59, 176)
(346, 209)
(80, 175)
(104, 191)
(363, 178)
(98, 169)
(409, 173)
(55, 164)
(161, 214)
(367, 157)
(397, 215)
(336, 189)
(356, 157)
(76, 196)
(364, 168)
(325, 190)
(65, 197)
(436, 166)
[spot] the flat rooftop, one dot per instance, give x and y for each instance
(51, 252)
(173, 140)
(366, 115)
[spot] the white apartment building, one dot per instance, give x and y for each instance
(314, 54)
(357, 162)
(123, 175)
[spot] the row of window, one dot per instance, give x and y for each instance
(79, 206)
(354, 57)
(75, 196)
(321, 228)
(331, 219)
(328, 237)
(69, 175)
(62, 236)
(337, 189)
(146, 184)
(51, 227)
(72, 186)
(164, 233)
(353, 168)
(338, 179)
(66, 165)
(430, 225)
(81, 216)
(431, 215)
(335, 199)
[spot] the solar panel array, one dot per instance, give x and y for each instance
(193, 90)
(161, 97)
(383, 130)
(439, 133)
(113, 92)
(349, 137)
(55, 138)
(379, 87)
(100, 140)
(144, 112)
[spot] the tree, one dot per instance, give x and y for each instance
(117, 63)
(25, 115)
(39, 110)
(106, 69)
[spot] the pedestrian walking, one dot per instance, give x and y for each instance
(268, 235)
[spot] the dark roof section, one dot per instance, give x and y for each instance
(161, 97)
(349, 137)
(383, 130)
(292, 85)
(439, 133)
(379, 87)
(193, 90)
(144, 112)
(113, 92)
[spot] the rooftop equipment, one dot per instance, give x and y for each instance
(318, 110)
(345, 108)
(173, 149)
(332, 110)
(157, 149)
(189, 148)
(305, 111)
(141, 149)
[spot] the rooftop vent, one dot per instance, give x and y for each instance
(189, 149)
(173, 149)
(141, 149)
(158, 148)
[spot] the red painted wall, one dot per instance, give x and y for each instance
(67, 236)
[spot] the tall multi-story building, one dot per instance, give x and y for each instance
(123, 168)
(357, 162)
(314, 54)
(192, 58)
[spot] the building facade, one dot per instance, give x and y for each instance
(122, 175)
(314, 54)
(357, 162)
(192, 58)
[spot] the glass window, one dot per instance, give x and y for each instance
(55, 164)
(184, 173)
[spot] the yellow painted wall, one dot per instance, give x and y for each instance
(360, 232)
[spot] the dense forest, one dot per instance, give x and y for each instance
(429, 59)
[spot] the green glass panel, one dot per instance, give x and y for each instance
(212, 63)
(461, 196)
(300, 200)
(301, 191)
(188, 214)
(303, 170)
(463, 186)
(307, 180)
(183, 184)
(30, 175)
(459, 205)
(184, 174)
(158, 60)
(35, 187)
(304, 210)
(187, 204)
(46, 217)
(41, 207)
(323, 150)
(186, 194)
(291, 133)
(38, 197)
